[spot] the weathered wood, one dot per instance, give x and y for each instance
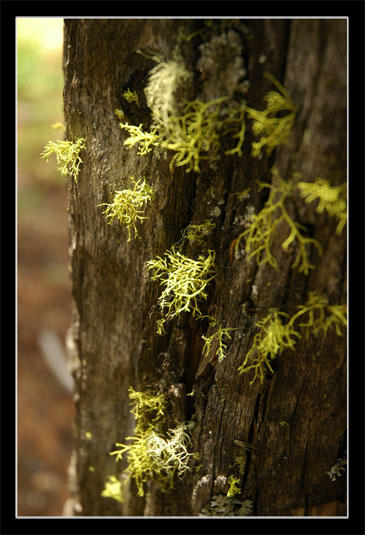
(113, 337)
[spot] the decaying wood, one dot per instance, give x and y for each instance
(113, 335)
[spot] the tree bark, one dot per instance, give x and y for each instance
(295, 419)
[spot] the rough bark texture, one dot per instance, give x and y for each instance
(113, 341)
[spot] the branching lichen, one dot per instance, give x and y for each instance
(196, 234)
(330, 198)
(127, 206)
(337, 468)
(261, 232)
(164, 81)
(195, 134)
(131, 96)
(184, 280)
(234, 486)
(146, 140)
(67, 155)
(152, 453)
(214, 344)
(270, 124)
(192, 130)
(275, 336)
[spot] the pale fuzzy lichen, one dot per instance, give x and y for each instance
(192, 130)
(145, 140)
(152, 453)
(184, 281)
(164, 81)
(227, 506)
(330, 198)
(67, 154)
(128, 205)
(270, 125)
(321, 316)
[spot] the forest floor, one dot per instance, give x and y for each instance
(45, 408)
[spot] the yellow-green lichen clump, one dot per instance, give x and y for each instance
(67, 154)
(128, 205)
(152, 453)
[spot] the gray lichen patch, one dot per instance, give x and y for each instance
(221, 64)
(225, 506)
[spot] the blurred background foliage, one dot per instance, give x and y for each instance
(45, 408)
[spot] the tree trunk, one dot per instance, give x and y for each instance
(295, 419)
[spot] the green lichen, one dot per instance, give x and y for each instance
(330, 198)
(197, 234)
(261, 232)
(271, 125)
(67, 154)
(131, 96)
(152, 453)
(321, 316)
(113, 489)
(275, 336)
(191, 130)
(184, 281)
(128, 205)
(215, 343)
(234, 486)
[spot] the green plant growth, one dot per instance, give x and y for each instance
(192, 130)
(321, 316)
(215, 343)
(275, 336)
(234, 486)
(146, 141)
(67, 155)
(330, 198)
(197, 234)
(128, 205)
(152, 453)
(131, 96)
(271, 125)
(184, 281)
(113, 489)
(261, 232)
